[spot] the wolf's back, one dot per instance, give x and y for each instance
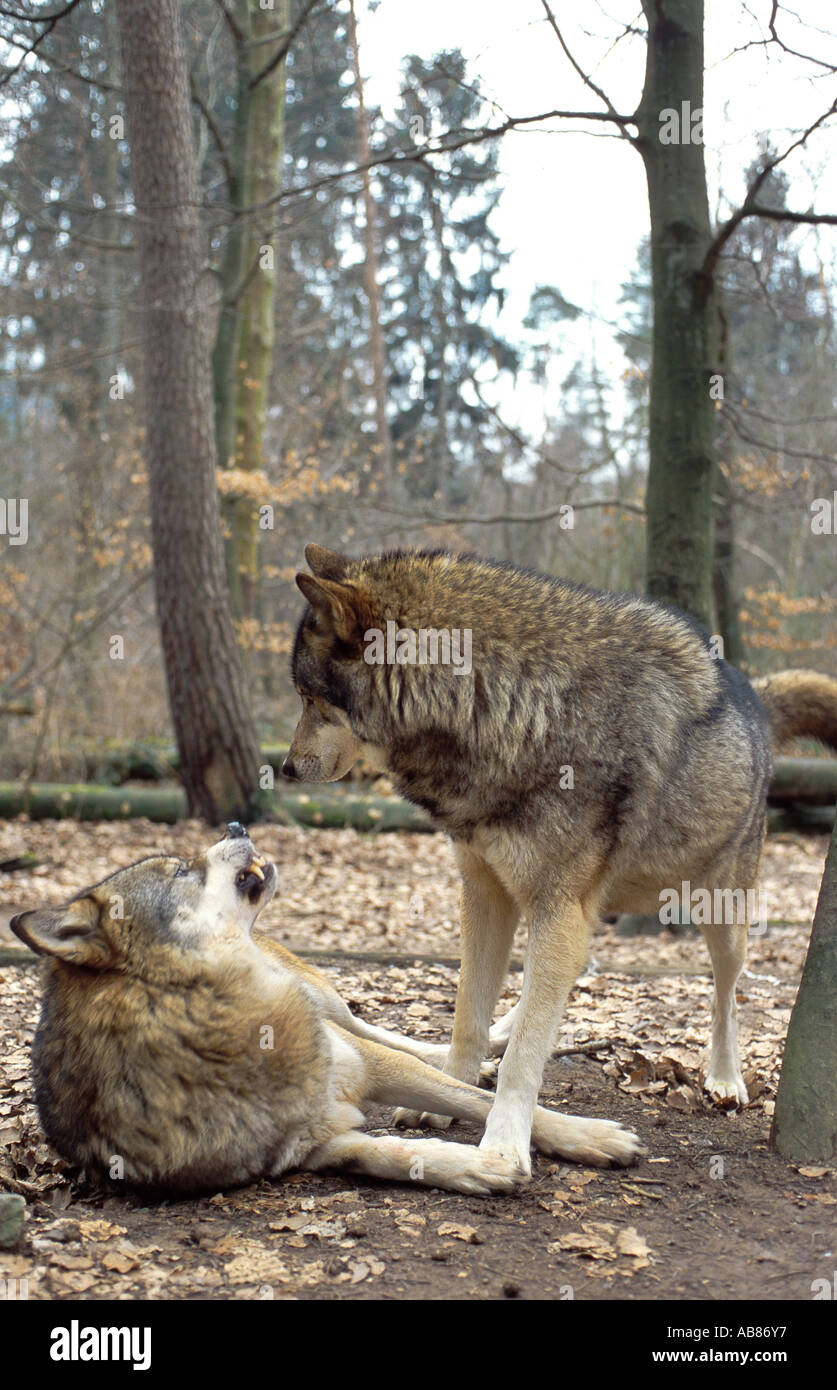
(799, 704)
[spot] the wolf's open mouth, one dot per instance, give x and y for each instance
(251, 879)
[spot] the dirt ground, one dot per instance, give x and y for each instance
(709, 1213)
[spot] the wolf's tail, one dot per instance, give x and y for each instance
(799, 704)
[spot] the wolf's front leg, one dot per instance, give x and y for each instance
(488, 919)
(728, 948)
(555, 955)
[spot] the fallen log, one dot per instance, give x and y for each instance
(166, 805)
(332, 810)
(809, 780)
(797, 816)
(63, 801)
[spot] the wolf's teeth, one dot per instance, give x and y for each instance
(256, 869)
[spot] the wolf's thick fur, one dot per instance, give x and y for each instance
(597, 756)
(177, 1051)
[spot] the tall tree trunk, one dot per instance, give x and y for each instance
(805, 1120)
(216, 739)
(686, 328)
(371, 272)
(265, 110)
(234, 262)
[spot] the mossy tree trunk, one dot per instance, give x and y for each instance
(260, 133)
(234, 263)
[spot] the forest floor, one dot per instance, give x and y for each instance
(709, 1213)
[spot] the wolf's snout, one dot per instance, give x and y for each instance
(289, 771)
(236, 831)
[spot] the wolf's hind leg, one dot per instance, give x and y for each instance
(392, 1076)
(433, 1054)
(430, 1162)
(500, 1032)
(728, 948)
(488, 919)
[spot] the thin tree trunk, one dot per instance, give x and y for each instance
(686, 337)
(371, 272)
(805, 1119)
(234, 263)
(212, 722)
(265, 108)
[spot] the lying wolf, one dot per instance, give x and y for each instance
(586, 752)
(177, 1051)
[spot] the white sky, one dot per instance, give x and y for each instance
(574, 205)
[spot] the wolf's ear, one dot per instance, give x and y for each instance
(339, 607)
(72, 933)
(326, 564)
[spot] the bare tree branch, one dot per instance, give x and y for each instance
(24, 17)
(771, 447)
(48, 20)
(420, 154)
(40, 220)
(813, 219)
(523, 518)
(231, 22)
(214, 130)
(752, 208)
(808, 57)
(284, 47)
(586, 79)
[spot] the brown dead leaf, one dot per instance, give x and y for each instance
(683, 1098)
(289, 1223)
(361, 1269)
(589, 1247)
(460, 1232)
(99, 1229)
(119, 1261)
(65, 1260)
(255, 1265)
(630, 1242)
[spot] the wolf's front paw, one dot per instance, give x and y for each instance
(482, 1173)
(509, 1151)
(726, 1089)
(598, 1143)
(420, 1119)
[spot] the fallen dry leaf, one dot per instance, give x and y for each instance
(119, 1261)
(459, 1232)
(580, 1243)
(99, 1229)
(630, 1242)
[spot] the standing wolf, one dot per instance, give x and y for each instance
(595, 756)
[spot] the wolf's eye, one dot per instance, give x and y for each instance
(182, 869)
